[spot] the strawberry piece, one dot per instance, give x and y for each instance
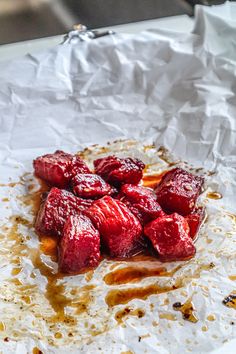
(120, 230)
(169, 235)
(79, 246)
(91, 186)
(119, 171)
(178, 191)
(195, 220)
(57, 207)
(57, 169)
(141, 201)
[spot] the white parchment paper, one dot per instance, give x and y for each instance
(156, 87)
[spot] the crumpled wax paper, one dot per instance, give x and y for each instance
(170, 89)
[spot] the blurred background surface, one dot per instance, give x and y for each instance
(22, 20)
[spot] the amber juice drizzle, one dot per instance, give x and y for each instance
(122, 296)
(135, 274)
(19, 248)
(55, 292)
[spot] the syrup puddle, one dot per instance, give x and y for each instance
(55, 290)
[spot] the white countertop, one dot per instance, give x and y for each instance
(181, 23)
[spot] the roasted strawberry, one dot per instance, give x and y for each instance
(119, 171)
(91, 186)
(120, 230)
(79, 246)
(178, 191)
(195, 220)
(57, 207)
(57, 169)
(169, 235)
(141, 201)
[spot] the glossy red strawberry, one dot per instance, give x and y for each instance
(91, 186)
(195, 220)
(141, 201)
(119, 171)
(79, 246)
(169, 235)
(120, 230)
(178, 191)
(57, 207)
(57, 169)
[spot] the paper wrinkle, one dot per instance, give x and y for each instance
(213, 25)
(176, 90)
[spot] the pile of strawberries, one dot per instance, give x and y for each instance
(110, 210)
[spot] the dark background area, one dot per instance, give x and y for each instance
(30, 19)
